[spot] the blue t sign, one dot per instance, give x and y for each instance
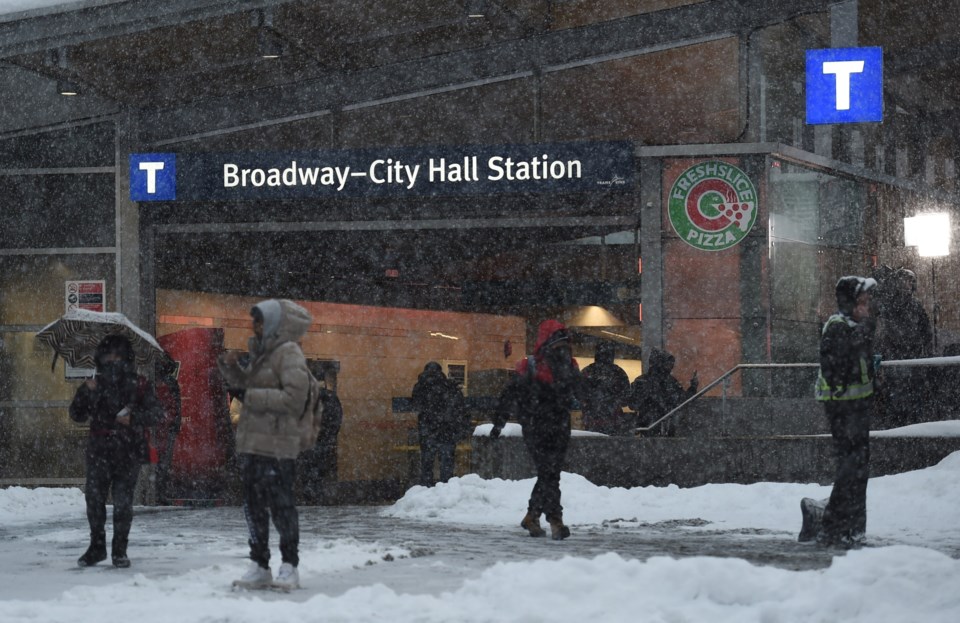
(844, 85)
(153, 177)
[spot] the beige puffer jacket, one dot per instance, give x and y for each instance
(276, 383)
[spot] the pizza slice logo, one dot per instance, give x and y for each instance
(713, 205)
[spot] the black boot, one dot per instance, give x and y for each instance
(97, 552)
(118, 552)
(811, 512)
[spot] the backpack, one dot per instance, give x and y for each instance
(309, 423)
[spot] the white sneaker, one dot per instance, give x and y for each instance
(255, 577)
(287, 576)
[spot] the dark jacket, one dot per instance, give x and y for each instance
(842, 346)
(657, 392)
(605, 387)
(100, 407)
(905, 329)
(331, 420)
(438, 401)
(538, 397)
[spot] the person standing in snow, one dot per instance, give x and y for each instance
(120, 405)
(845, 385)
(540, 397)
(904, 331)
(441, 421)
(275, 387)
(656, 392)
(605, 386)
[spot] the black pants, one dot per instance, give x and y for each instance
(846, 512)
(268, 490)
(548, 453)
(430, 449)
(112, 468)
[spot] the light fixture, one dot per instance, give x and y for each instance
(269, 44)
(476, 8)
(68, 87)
(443, 335)
(930, 233)
(590, 316)
(57, 60)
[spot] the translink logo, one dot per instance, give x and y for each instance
(153, 177)
(844, 85)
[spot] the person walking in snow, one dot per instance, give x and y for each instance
(540, 397)
(275, 387)
(120, 405)
(845, 385)
(605, 386)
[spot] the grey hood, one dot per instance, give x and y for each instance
(283, 321)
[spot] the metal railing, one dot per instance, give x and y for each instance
(724, 378)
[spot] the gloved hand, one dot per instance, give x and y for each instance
(494, 433)
(694, 383)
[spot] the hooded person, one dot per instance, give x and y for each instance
(605, 386)
(120, 405)
(440, 421)
(657, 392)
(540, 397)
(845, 386)
(275, 384)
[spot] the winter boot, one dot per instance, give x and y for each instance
(531, 523)
(558, 531)
(94, 554)
(287, 576)
(255, 577)
(812, 513)
(118, 552)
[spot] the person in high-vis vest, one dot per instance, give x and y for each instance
(845, 386)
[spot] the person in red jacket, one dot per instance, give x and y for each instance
(540, 397)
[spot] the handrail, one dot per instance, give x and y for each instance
(928, 361)
(720, 379)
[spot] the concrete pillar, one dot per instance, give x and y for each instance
(127, 223)
(651, 252)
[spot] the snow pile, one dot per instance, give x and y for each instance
(21, 505)
(876, 584)
(908, 505)
(884, 585)
(944, 428)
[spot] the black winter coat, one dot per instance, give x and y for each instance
(441, 413)
(100, 407)
(542, 409)
(841, 348)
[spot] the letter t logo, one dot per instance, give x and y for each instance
(153, 177)
(151, 168)
(843, 69)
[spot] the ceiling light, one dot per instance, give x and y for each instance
(476, 8)
(590, 316)
(269, 44)
(68, 87)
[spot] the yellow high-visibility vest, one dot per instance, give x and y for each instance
(853, 391)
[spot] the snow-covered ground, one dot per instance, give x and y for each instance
(184, 560)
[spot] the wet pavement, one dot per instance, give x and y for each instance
(168, 542)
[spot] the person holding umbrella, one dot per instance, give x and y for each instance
(119, 404)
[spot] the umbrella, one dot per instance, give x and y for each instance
(76, 334)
